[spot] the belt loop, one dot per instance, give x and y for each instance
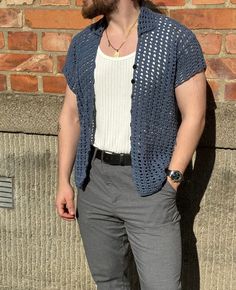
(94, 153)
(102, 153)
(121, 159)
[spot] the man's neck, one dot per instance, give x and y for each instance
(121, 20)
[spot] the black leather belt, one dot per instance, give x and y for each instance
(113, 158)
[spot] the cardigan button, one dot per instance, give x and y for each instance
(132, 81)
(134, 66)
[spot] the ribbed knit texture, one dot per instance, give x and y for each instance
(113, 102)
(167, 55)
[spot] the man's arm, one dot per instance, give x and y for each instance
(68, 137)
(191, 100)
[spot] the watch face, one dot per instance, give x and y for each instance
(176, 175)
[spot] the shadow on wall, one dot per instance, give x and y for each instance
(189, 197)
(191, 193)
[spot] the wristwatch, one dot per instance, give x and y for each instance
(175, 175)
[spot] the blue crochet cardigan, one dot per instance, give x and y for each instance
(168, 54)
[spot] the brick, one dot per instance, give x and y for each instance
(79, 2)
(54, 2)
(56, 41)
(24, 83)
(22, 40)
(230, 43)
(19, 2)
(11, 61)
(60, 62)
(2, 42)
(26, 62)
(208, 1)
(213, 88)
(95, 19)
(230, 91)
(221, 68)
(37, 63)
(64, 19)
(54, 84)
(169, 2)
(215, 18)
(10, 17)
(210, 42)
(3, 82)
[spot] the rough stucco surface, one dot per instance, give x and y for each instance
(40, 251)
(29, 114)
(37, 249)
(38, 115)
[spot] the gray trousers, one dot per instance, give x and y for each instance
(113, 218)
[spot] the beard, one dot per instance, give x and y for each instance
(98, 7)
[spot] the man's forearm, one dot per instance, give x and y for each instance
(187, 139)
(68, 137)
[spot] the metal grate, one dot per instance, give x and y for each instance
(6, 194)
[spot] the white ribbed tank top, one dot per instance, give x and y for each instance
(113, 90)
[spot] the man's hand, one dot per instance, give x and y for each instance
(175, 185)
(65, 202)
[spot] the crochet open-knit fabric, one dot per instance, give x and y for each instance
(167, 55)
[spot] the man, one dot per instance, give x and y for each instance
(128, 76)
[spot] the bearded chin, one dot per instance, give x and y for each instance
(99, 7)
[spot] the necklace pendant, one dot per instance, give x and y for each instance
(116, 54)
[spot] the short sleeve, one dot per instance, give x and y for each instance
(69, 69)
(190, 60)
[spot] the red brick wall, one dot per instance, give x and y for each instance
(35, 36)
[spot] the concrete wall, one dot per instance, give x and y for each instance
(40, 251)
